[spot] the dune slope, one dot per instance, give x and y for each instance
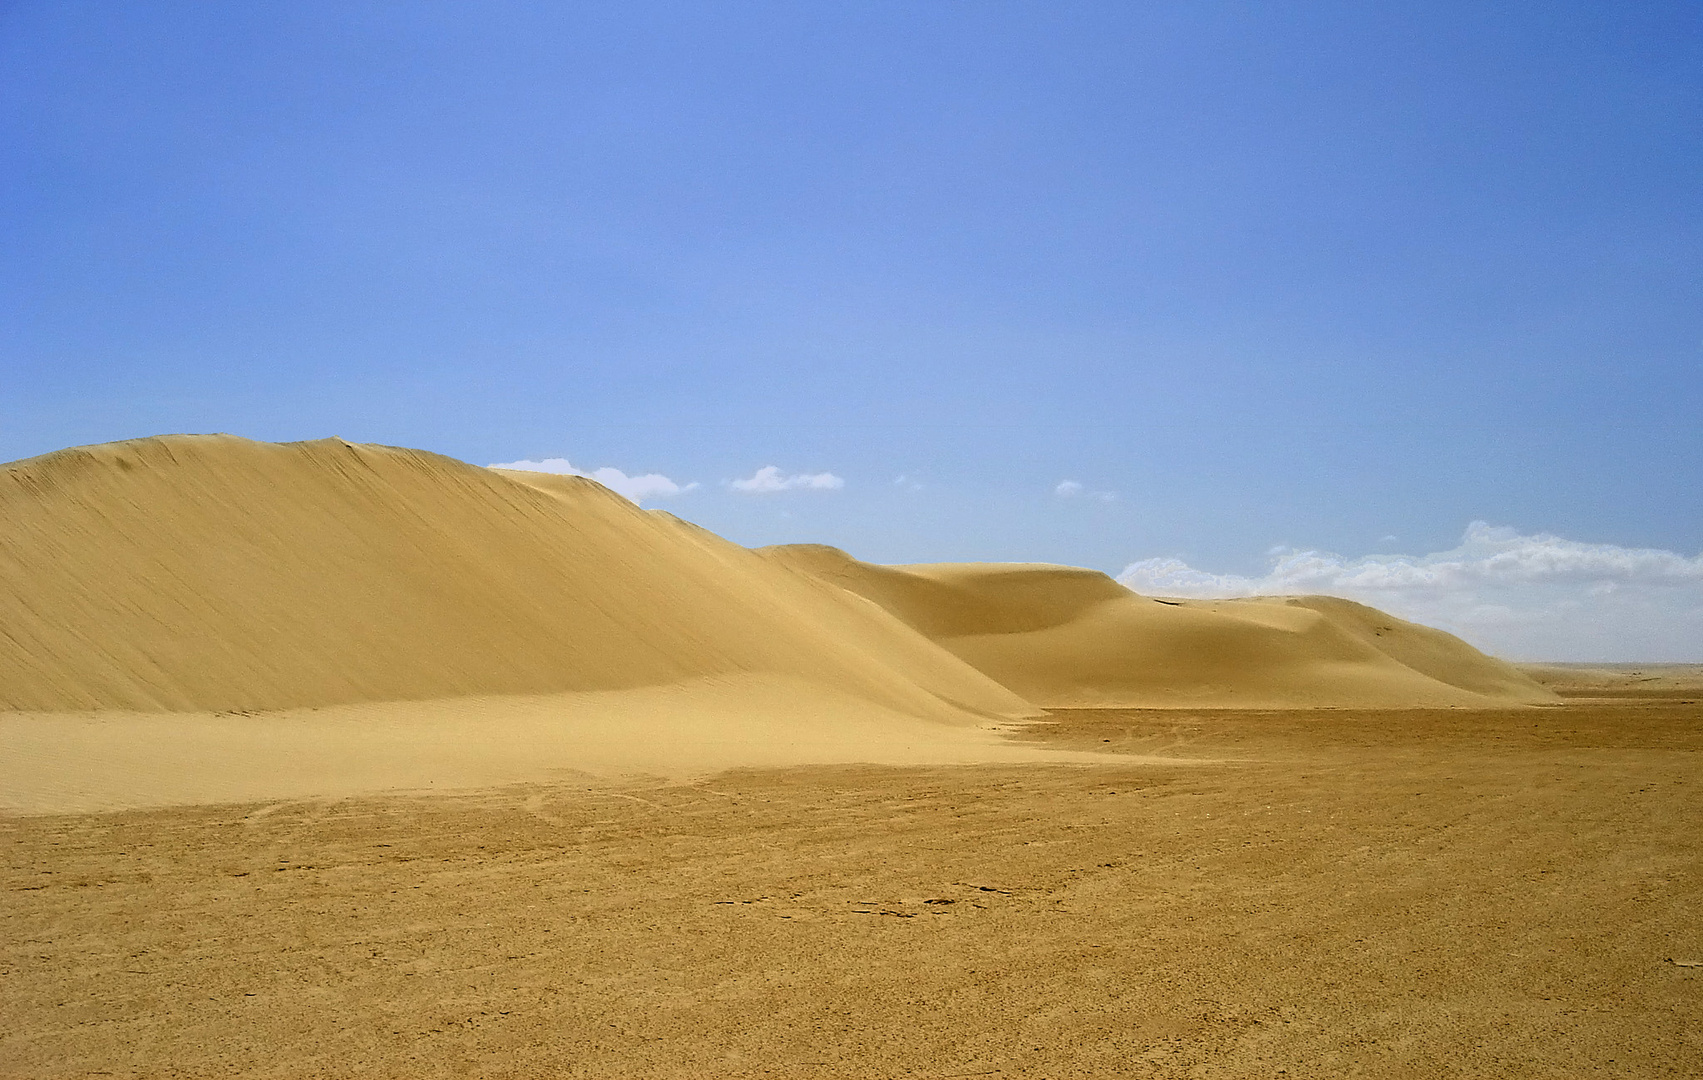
(217, 573)
(1064, 637)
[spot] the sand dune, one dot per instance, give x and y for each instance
(1069, 638)
(216, 573)
(210, 573)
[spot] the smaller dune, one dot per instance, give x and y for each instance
(1064, 637)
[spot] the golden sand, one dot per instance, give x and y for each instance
(320, 759)
(1408, 893)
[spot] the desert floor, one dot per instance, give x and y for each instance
(1329, 893)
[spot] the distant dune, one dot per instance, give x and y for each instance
(1064, 637)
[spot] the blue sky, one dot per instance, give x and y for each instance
(1345, 277)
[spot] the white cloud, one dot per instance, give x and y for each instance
(1070, 489)
(769, 479)
(907, 482)
(635, 488)
(1523, 596)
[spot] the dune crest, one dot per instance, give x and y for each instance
(1064, 637)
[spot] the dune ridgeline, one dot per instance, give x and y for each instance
(217, 573)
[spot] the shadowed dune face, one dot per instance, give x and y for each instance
(1071, 638)
(212, 572)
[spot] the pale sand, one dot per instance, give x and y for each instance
(79, 762)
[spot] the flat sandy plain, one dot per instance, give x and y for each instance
(1419, 892)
